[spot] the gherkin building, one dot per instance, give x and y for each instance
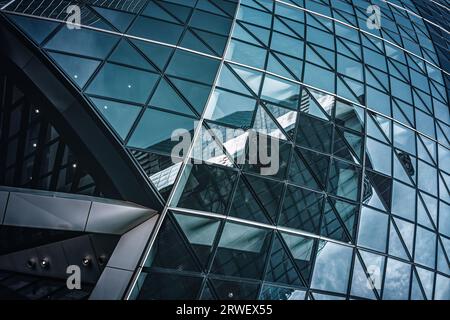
(351, 95)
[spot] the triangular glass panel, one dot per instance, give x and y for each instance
(356, 87)
(370, 196)
(427, 279)
(36, 29)
(233, 140)
(229, 81)
(444, 190)
(268, 192)
(158, 54)
(383, 123)
(326, 101)
(396, 70)
(205, 5)
(155, 11)
(245, 206)
(402, 112)
(318, 163)
(356, 144)
(430, 145)
(376, 46)
(331, 226)
(301, 249)
(264, 124)
(316, 58)
(362, 286)
(301, 209)
(406, 230)
(344, 91)
(83, 41)
(295, 66)
(319, 22)
(261, 34)
(161, 169)
(254, 164)
(182, 13)
(126, 54)
(280, 268)
(165, 97)
(416, 291)
(242, 251)
(295, 29)
(432, 206)
(349, 116)
(345, 50)
(396, 247)
(383, 186)
(212, 195)
(208, 148)
(120, 116)
(118, 19)
(326, 55)
(78, 69)
(170, 250)
(422, 151)
(347, 212)
(354, 48)
(400, 170)
(441, 136)
(300, 173)
(242, 34)
(191, 41)
(375, 267)
(200, 232)
(286, 118)
(446, 245)
(380, 77)
(265, 4)
(310, 106)
(196, 94)
(93, 19)
(227, 7)
(422, 214)
(418, 102)
(443, 265)
(370, 78)
(314, 133)
(214, 41)
(274, 66)
(374, 130)
(251, 78)
(347, 145)
(279, 24)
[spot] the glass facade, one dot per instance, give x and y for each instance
(360, 205)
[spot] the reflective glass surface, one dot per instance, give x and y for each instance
(362, 194)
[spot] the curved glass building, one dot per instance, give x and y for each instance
(348, 97)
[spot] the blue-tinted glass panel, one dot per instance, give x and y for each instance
(332, 267)
(83, 41)
(123, 83)
(155, 130)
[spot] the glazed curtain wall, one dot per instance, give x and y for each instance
(360, 205)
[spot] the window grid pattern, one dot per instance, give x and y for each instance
(359, 207)
(338, 191)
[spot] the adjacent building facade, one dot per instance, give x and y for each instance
(349, 97)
